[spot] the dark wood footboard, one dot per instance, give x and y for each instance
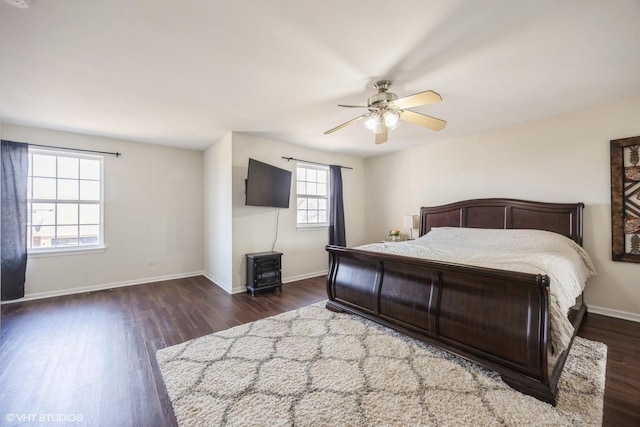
(499, 319)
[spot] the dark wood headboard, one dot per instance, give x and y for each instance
(562, 218)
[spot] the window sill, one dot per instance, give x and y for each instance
(311, 227)
(65, 251)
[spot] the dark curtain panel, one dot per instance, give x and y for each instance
(15, 164)
(336, 208)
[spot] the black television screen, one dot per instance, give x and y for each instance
(267, 185)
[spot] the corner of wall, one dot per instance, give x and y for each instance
(218, 237)
(219, 283)
(258, 229)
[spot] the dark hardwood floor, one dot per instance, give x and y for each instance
(622, 387)
(91, 357)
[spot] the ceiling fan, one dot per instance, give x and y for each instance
(386, 110)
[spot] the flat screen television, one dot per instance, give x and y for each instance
(267, 185)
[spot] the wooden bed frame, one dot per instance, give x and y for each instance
(497, 318)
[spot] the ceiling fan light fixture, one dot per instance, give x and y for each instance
(386, 110)
(375, 120)
(391, 119)
(373, 123)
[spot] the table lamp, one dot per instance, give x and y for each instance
(410, 222)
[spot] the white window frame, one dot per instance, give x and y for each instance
(65, 250)
(301, 194)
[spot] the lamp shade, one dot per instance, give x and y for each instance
(371, 122)
(410, 221)
(391, 119)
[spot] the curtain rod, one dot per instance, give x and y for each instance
(77, 149)
(314, 163)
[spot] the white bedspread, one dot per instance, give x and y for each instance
(528, 251)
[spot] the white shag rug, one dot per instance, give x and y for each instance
(314, 367)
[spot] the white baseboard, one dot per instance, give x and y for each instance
(286, 280)
(101, 287)
(216, 281)
(618, 314)
(304, 276)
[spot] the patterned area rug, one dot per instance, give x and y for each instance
(315, 367)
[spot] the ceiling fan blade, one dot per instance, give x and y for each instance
(345, 124)
(353, 106)
(422, 98)
(383, 136)
(423, 120)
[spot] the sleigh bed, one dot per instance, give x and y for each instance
(495, 317)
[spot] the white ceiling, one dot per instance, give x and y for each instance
(184, 73)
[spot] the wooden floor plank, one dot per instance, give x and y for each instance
(622, 387)
(94, 354)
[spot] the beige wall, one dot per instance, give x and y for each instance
(254, 227)
(560, 159)
(186, 210)
(218, 239)
(153, 211)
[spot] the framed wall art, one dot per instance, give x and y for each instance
(625, 199)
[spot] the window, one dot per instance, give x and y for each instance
(64, 201)
(312, 189)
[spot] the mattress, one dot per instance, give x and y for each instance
(527, 251)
